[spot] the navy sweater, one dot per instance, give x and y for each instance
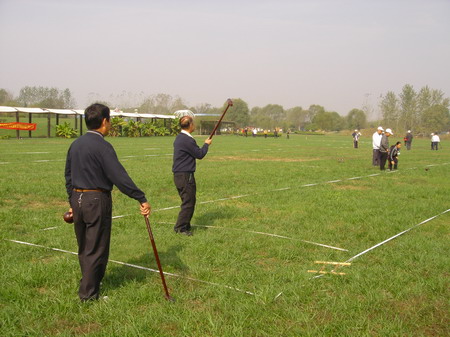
(92, 163)
(185, 151)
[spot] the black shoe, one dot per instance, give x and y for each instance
(187, 233)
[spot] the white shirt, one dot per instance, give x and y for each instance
(376, 140)
(186, 133)
(435, 138)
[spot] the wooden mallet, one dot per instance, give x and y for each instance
(229, 103)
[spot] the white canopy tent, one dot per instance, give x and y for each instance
(75, 113)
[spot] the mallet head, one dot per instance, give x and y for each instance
(229, 102)
(68, 217)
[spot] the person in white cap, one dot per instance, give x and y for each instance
(356, 136)
(376, 138)
(408, 140)
(435, 140)
(384, 148)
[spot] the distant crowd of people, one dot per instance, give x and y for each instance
(383, 153)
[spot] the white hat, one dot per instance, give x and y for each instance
(409, 131)
(389, 131)
(380, 128)
(356, 130)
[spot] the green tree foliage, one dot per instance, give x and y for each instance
(411, 110)
(238, 113)
(390, 109)
(163, 104)
(328, 121)
(6, 98)
(43, 97)
(65, 131)
(356, 119)
(408, 108)
(436, 119)
(296, 118)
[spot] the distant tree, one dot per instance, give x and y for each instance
(201, 108)
(408, 108)
(390, 110)
(44, 97)
(436, 119)
(313, 111)
(328, 121)
(356, 119)
(6, 98)
(296, 118)
(238, 113)
(162, 104)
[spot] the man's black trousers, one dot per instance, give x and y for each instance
(92, 214)
(185, 184)
(383, 158)
(395, 164)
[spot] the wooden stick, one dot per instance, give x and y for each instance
(229, 103)
(334, 263)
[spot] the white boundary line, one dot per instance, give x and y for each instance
(277, 190)
(389, 239)
(138, 267)
(267, 234)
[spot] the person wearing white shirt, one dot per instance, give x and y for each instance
(376, 139)
(435, 140)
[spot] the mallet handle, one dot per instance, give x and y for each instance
(229, 103)
(152, 240)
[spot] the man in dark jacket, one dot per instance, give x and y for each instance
(92, 168)
(186, 151)
(384, 148)
(408, 140)
(394, 151)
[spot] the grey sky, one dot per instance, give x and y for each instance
(293, 53)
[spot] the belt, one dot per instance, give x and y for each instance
(82, 190)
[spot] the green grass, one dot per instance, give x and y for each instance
(397, 289)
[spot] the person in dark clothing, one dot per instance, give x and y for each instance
(394, 151)
(185, 153)
(356, 136)
(408, 140)
(384, 148)
(92, 168)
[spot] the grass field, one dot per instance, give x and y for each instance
(308, 190)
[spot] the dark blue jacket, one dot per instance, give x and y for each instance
(185, 151)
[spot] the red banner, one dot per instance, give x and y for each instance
(18, 126)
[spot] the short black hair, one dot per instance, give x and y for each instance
(397, 143)
(94, 115)
(185, 122)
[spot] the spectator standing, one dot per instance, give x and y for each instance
(376, 139)
(356, 136)
(408, 140)
(435, 140)
(384, 148)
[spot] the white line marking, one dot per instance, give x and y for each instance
(395, 236)
(33, 152)
(5, 162)
(138, 267)
(49, 228)
(280, 189)
(267, 234)
(389, 239)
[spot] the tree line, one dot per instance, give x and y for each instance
(424, 111)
